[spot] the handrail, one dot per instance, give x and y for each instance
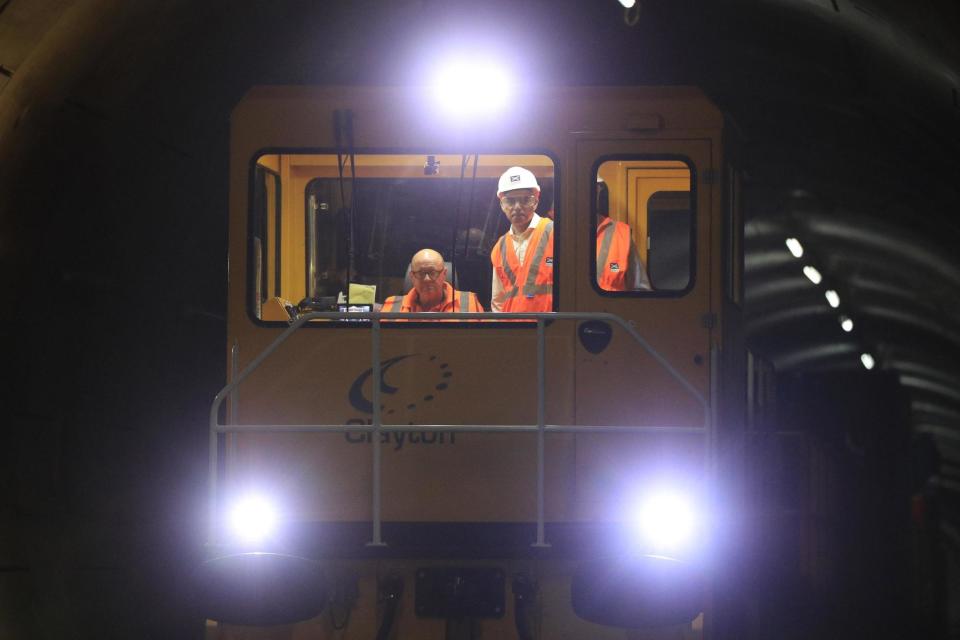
(541, 428)
(454, 428)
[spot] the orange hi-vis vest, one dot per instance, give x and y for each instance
(453, 302)
(526, 287)
(613, 254)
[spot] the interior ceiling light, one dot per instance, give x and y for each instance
(833, 298)
(846, 324)
(795, 247)
(867, 360)
(813, 274)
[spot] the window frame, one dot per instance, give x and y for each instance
(260, 227)
(252, 311)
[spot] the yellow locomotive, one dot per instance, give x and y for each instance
(525, 475)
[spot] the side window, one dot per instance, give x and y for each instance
(348, 241)
(643, 236)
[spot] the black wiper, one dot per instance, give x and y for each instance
(343, 125)
(456, 217)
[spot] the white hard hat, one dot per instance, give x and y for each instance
(517, 178)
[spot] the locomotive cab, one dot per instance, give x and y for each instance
(537, 475)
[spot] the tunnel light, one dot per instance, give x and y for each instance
(846, 324)
(867, 360)
(812, 273)
(795, 247)
(833, 298)
(666, 521)
(253, 518)
(464, 88)
(628, 4)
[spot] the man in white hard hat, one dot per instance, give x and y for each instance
(523, 257)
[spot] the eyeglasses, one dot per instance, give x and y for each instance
(509, 202)
(433, 274)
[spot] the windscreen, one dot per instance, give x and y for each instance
(344, 230)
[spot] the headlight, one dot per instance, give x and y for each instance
(464, 88)
(666, 521)
(253, 518)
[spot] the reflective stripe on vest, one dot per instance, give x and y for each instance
(505, 263)
(461, 301)
(613, 234)
(530, 287)
(604, 252)
(531, 268)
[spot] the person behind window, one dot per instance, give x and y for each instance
(431, 291)
(619, 267)
(523, 257)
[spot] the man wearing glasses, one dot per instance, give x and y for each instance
(523, 257)
(431, 291)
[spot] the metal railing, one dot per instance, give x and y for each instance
(377, 427)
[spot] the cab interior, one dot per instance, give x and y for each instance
(319, 221)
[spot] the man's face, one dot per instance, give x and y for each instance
(428, 273)
(518, 205)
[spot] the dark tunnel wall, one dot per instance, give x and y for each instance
(113, 215)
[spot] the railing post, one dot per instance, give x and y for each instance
(712, 417)
(541, 429)
(234, 399)
(214, 444)
(212, 485)
(375, 349)
(711, 442)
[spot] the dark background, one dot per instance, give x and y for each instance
(113, 210)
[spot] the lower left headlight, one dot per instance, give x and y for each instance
(252, 518)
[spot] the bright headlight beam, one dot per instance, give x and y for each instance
(666, 520)
(812, 273)
(253, 518)
(867, 360)
(833, 298)
(795, 247)
(464, 88)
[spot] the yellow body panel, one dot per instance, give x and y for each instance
(474, 373)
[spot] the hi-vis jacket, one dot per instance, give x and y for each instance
(618, 263)
(526, 287)
(453, 302)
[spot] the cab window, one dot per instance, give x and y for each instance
(344, 234)
(643, 231)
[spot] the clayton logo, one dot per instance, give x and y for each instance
(433, 378)
(357, 400)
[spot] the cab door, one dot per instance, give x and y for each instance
(656, 187)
